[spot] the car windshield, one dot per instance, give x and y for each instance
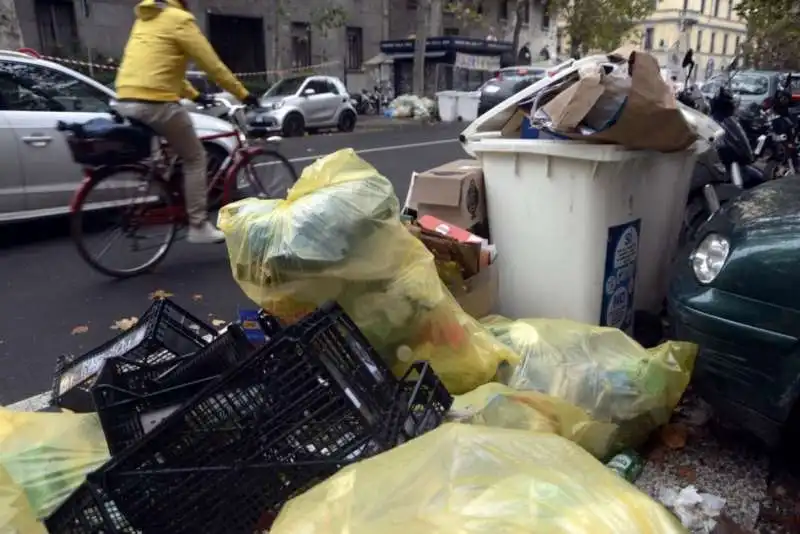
(521, 74)
(285, 87)
(749, 84)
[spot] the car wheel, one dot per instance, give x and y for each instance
(347, 121)
(294, 125)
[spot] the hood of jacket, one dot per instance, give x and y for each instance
(150, 9)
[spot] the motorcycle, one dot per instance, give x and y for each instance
(721, 174)
(777, 143)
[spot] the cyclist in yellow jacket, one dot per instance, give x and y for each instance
(151, 81)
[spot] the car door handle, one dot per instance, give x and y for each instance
(37, 140)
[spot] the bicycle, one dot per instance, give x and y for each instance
(127, 150)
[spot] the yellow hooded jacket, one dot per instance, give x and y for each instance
(163, 40)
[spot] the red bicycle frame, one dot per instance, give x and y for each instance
(227, 173)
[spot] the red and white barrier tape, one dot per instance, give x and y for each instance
(99, 66)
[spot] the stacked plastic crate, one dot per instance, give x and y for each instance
(219, 440)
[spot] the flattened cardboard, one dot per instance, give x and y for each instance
(452, 192)
(650, 119)
(479, 298)
(568, 108)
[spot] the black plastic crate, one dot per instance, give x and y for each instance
(313, 400)
(165, 332)
(88, 510)
(131, 399)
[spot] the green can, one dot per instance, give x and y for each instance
(627, 464)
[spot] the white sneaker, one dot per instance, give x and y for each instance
(205, 234)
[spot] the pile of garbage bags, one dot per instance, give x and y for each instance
(43, 458)
(411, 107)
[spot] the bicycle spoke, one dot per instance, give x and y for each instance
(117, 233)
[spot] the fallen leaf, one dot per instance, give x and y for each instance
(197, 298)
(657, 455)
(126, 323)
(160, 294)
(218, 322)
(687, 473)
(674, 435)
(82, 329)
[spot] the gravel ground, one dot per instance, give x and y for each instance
(760, 494)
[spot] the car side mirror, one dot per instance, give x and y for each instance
(309, 92)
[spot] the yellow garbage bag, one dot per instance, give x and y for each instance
(48, 455)
(469, 479)
(498, 405)
(16, 516)
(601, 370)
(338, 236)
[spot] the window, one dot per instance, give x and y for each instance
(502, 11)
(58, 30)
(685, 5)
(702, 6)
(27, 87)
(725, 44)
(716, 8)
(712, 46)
(355, 48)
(546, 16)
(730, 8)
(451, 31)
(320, 87)
(699, 46)
(411, 4)
(286, 87)
(736, 50)
(648, 38)
(526, 11)
(301, 44)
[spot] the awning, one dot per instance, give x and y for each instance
(380, 59)
(410, 55)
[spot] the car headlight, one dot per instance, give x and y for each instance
(277, 105)
(709, 257)
(491, 89)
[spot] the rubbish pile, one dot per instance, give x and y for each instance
(411, 107)
(211, 432)
(330, 409)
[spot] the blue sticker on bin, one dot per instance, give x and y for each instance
(619, 277)
(251, 326)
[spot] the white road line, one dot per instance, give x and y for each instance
(381, 149)
(37, 402)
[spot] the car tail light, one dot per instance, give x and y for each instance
(498, 75)
(767, 103)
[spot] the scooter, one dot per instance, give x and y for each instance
(777, 144)
(721, 174)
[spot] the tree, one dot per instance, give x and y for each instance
(10, 34)
(600, 24)
(420, 41)
(773, 33)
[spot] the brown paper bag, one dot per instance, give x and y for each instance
(568, 108)
(650, 118)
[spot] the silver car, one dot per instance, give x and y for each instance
(305, 103)
(39, 176)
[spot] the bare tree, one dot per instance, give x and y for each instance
(10, 33)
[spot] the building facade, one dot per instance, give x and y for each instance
(711, 28)
(249, 35)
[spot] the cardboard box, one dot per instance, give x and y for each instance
(480, 295)
(452, 192)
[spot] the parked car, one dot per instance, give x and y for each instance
(39, 176)
(305, 103)
(750, 86)
(731, 293)
(507, 82)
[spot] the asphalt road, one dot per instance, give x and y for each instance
(48, 291)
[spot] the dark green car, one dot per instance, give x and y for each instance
(736, 293)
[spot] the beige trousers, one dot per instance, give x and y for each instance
(171, 121)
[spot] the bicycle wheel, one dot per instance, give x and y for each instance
(264, 173)
(124, 205)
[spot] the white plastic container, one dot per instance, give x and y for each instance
(583, 231)
(467, 105)
(447, 101)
